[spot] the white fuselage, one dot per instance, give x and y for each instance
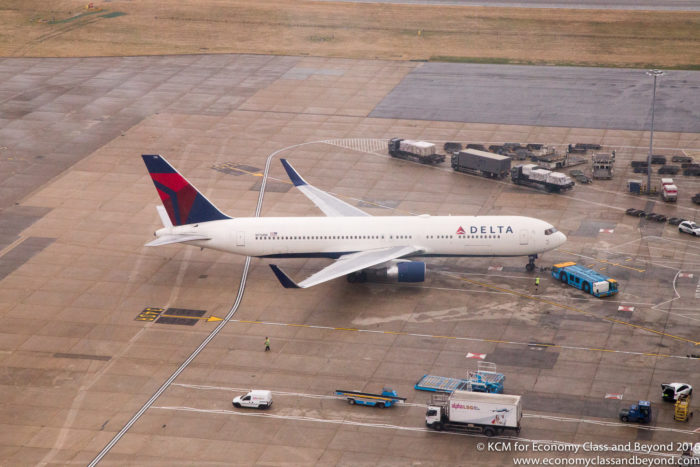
(334, 236)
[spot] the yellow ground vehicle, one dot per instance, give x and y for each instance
(682, 411)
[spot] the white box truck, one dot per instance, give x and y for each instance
(475, 412)
(669, 191)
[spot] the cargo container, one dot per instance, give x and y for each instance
(481, 163)
(418, 151)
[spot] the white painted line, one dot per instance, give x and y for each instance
(421, 429)
(422, 406)
(461, 338)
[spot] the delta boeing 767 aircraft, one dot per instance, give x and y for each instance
(362, 246)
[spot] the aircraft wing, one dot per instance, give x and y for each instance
(176, 238)
(345, 265)
(329, 204)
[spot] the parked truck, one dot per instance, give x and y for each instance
(481, 163)
(474, 412)
(418, 151)
(531, 174)
(669, 191)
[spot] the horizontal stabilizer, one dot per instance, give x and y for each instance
(284, 279)
(176, 238)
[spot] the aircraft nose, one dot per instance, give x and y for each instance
(561, 238)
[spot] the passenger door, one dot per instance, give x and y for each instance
(524, 237)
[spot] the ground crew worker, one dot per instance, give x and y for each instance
(267, 343)
(537, 284)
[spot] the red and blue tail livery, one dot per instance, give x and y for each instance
(183, 203)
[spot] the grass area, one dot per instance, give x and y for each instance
(387, 31)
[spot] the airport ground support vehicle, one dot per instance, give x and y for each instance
(533, 175)
(584, 278)
(603, 166)
(639, 412)
(474, 412)
(387, 398)
(257, 398)
(484, 379)
(672, 391)
(580, 176)
(481, 163)
(669, 191)
(681, 409)
(689, 227)
(418, 151)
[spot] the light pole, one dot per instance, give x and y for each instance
(653, 73)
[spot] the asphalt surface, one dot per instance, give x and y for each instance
(547, 96)
(87, 367)
(669, 5)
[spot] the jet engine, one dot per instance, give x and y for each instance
(400, 271)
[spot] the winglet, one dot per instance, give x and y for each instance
(293, 175)
(284, 279)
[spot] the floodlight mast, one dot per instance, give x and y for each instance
(655, 74)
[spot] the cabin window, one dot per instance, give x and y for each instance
(550, 231)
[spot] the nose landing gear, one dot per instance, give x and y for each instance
(530, 266)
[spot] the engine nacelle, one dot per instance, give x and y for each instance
(400, 271)
(409, 271)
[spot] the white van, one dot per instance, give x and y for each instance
(256, 398)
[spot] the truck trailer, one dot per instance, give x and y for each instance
(533, 175)
(418, 151)
(483, 163)
(387, 398)
(474, 412)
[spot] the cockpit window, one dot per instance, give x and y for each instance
(550, 231)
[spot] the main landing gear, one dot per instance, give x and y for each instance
(357, 277)
(530, 266)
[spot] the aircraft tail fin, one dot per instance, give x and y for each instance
(183, 203)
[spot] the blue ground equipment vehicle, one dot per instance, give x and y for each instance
(387, 398)
(639, 412)
(586, 279)
(484, 379)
